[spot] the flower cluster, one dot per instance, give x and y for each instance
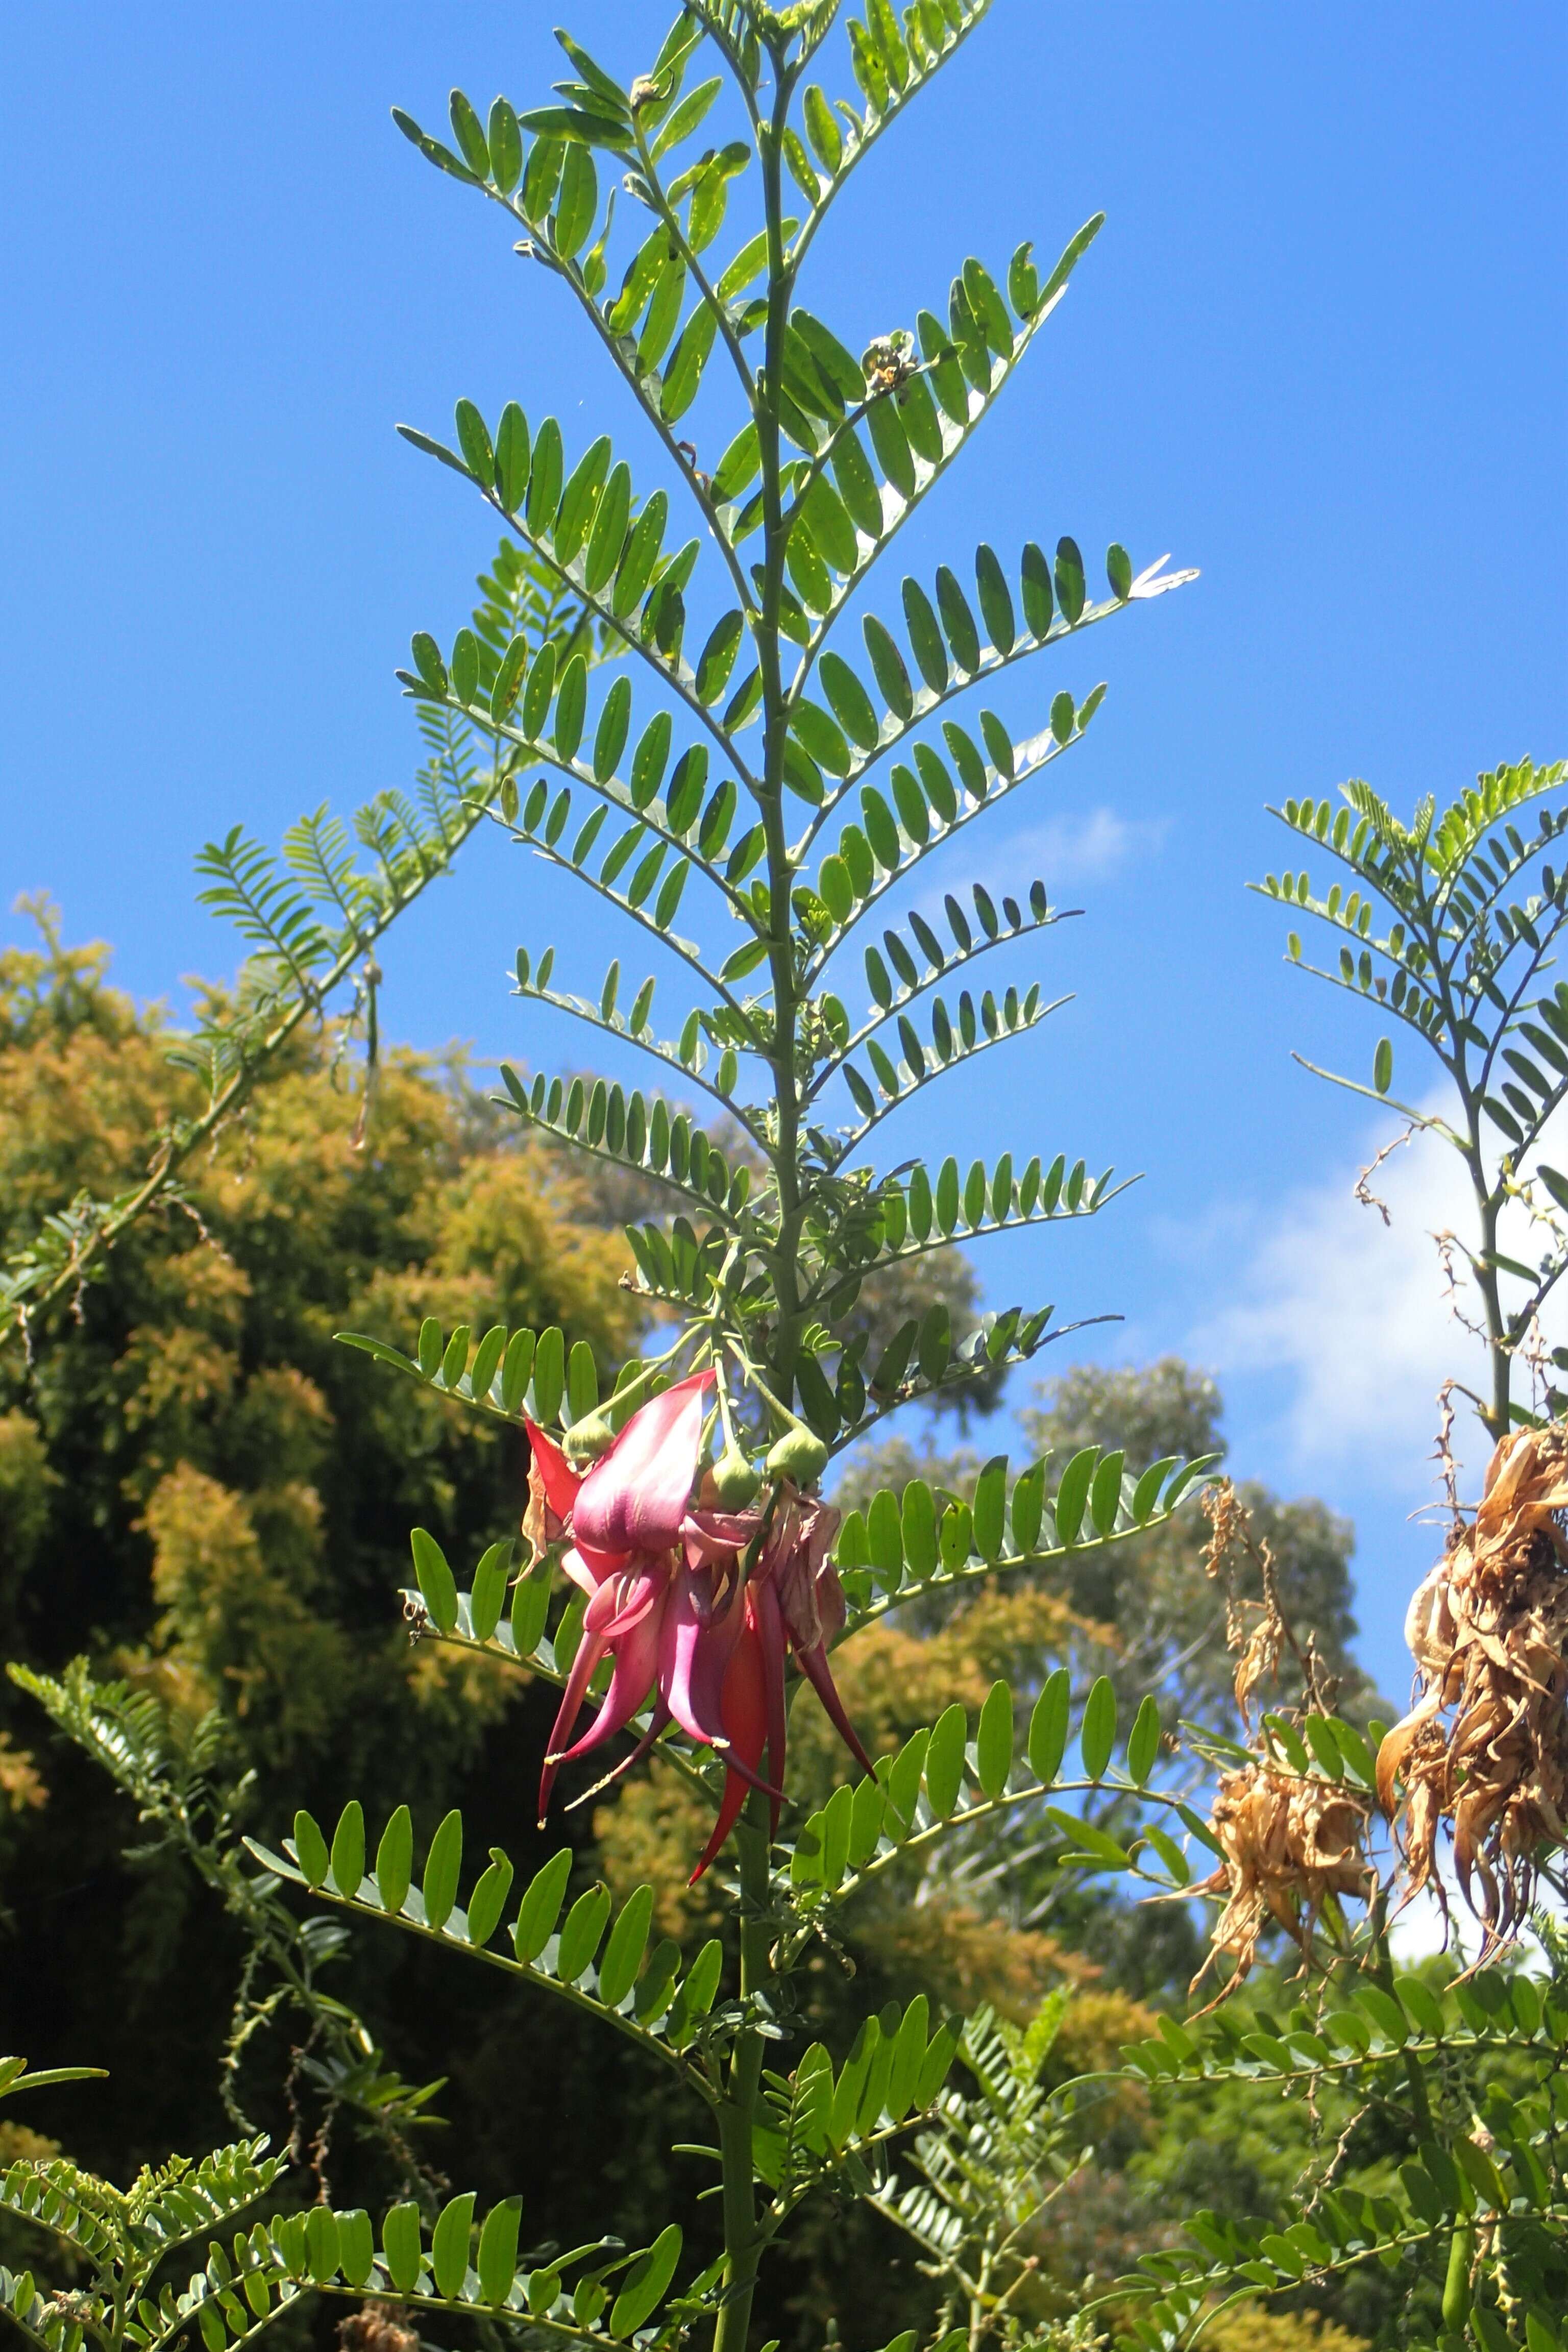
(1485, 1747)
(695, 1606)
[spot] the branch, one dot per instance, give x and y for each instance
(614, 795)
(927, 704)
(682, 949)
(823, 957)
(906, 996)
(580, 1010)
(867, 137)
(100, 1226)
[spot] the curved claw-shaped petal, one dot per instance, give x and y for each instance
(687, 1680)
(745, 1721)
(813, 1665)
(635, 1497)
(637, 1662)
(590, 1650)
(769, 1621)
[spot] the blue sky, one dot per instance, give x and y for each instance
(1318, 352)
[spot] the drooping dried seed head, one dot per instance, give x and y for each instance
(1289, 1842)
(1484, 1750)
(377, 2327)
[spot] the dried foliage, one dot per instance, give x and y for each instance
(1290, 1842)
(1484, 1750)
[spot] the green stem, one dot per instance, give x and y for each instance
(1456, 2286)
(744, 2239)
(776, 709)
(1487, 1202)
(1380, 1967)
(181, 1142)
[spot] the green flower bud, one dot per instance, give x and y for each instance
(735, 1480)
(587, 1440)
(798, 1454)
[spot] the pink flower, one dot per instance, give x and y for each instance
(671, 1601)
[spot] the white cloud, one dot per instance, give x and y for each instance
(1350, 1313)
(1063, 851)
(1083, 849)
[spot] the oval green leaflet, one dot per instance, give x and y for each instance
(449, 2245)
(1143, 1739)
(540, 1905)
(544, 479)
(549, 1374)
(437, 1585)
(606, 539)
(1105, 1493)
(402, 2245)
(323, 2243)
(442, 1867)
(580, 1936)
(994, 1740)
(530, 1611)
(1072, 1494)
(505, 143)
(348, 1849)
(395, 1861)
(647, 2283)
(488, 1900)
(850, 703)
(925, 638)
(356, 2245)
(538, 692)
(944, 1761)
(474, 441)
(1097, 1735)
(624, 1952)
(488, 1598)
(311, 1850)
(1070, 580)
(497, 2263)
(1048, 1727)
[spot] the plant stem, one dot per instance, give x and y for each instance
(742, 2238)
(1380, 1969)
(776, 716)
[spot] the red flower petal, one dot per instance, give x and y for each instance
(693, 1653)
(624, 1598)
(745, 1721)
(635, 1497)
(557, 1476)
(815, 1666)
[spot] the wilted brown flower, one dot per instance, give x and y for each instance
(1289, 1842)
(1485, 1746)
(377, 2327)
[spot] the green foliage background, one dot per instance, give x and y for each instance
(204, 1494)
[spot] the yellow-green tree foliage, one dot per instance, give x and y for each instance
(201, 1489)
